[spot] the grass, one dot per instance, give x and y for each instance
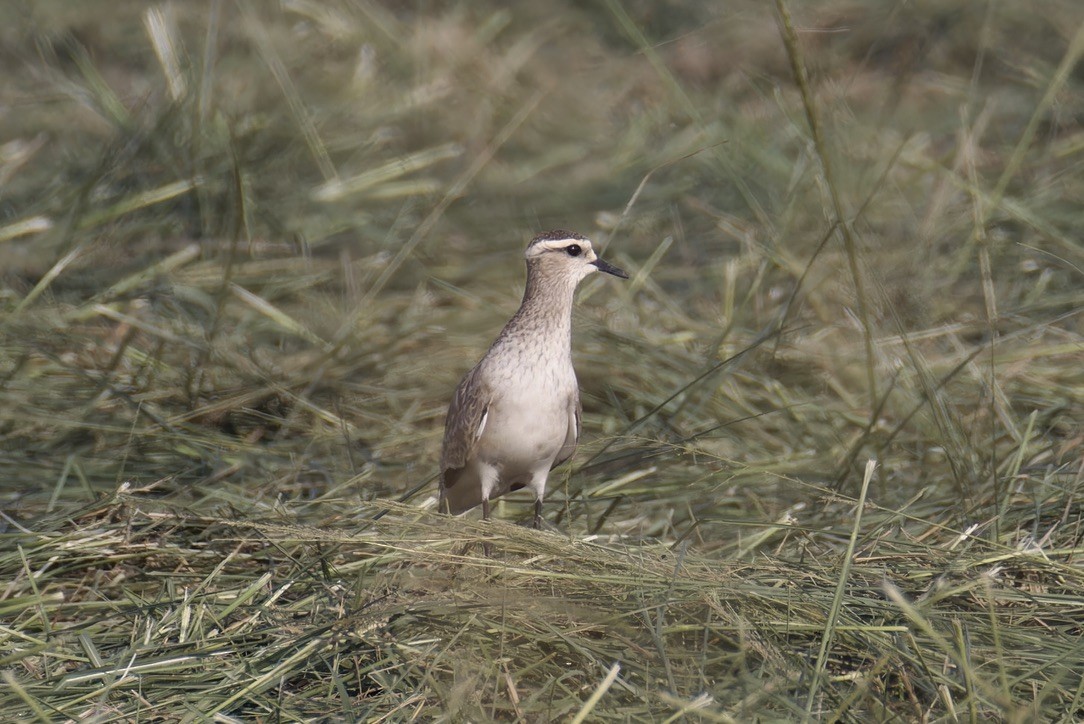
(832, 460)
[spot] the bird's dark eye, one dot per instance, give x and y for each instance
(574, 249)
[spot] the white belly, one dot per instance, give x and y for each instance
(523, 435)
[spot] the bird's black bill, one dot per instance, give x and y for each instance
(610, 268)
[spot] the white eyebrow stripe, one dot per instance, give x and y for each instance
(559, 244)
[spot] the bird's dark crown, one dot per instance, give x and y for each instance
(556, 235)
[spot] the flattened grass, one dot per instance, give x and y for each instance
(246, 254)
(135, 608)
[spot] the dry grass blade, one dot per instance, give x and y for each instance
(841, 220)
(841, 587)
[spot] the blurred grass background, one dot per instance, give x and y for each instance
(247, 249)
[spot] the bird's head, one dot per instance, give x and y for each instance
(566, 254)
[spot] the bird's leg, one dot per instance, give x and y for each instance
(538, 513)
(485, 516)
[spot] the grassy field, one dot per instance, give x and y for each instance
(833, 456)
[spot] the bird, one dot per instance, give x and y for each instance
(516, 414)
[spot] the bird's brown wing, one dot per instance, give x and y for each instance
(575, 412)
(463, 426)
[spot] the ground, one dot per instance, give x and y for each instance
(832, 455)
